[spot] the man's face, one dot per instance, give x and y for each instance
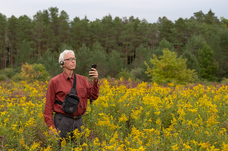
(69, 61)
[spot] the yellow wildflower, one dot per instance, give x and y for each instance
(63, 142)
(48, 148)
(187, 145)
(35, 146)
(121, 147)
(224, 147)
(123, 118)
(96, 142)
(175, 147)
(30, 122)
(77, 149)
(84, 145)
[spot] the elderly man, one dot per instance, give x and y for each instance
(59, 87)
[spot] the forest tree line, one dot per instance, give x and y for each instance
(115, 44)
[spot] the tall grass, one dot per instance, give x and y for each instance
(125, 117)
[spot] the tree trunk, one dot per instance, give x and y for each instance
(11, 54)
(39, 50)
(126, 54)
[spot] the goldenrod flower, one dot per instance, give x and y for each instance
(35, 146)
(123, 118)
(63, 142)
(186, 146)
(96, 142)
(175, 147)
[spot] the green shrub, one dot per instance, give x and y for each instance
(32, 72)
(3, 77)
(208, 65)
(170, 69)
(9, 72)
(139, 73)
(224, 81)
(16, 77)
(6, 73)
(125, 75)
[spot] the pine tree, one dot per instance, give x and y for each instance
(108, 33)
(163, 44)
(13, 38)
(3, 39)
(115, 63)
(99, 57)
(23, 54)
(208, 65)
(83, 55)
(127, 37)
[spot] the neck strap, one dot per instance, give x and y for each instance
(73, 89)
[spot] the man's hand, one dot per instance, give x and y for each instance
(94, 74)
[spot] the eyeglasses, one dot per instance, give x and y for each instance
(70, 59)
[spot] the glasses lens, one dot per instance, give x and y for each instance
(70, 59)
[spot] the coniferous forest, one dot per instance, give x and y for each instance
(116, 45)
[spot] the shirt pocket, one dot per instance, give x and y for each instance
(61, 94)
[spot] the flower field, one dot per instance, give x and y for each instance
(130, 117)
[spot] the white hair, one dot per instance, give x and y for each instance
(62, 55)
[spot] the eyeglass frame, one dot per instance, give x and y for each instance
(70, 59)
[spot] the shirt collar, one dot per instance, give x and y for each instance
(66, 76)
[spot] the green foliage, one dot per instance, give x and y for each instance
(169, 69)
(17, 77)
(50, 61)
(99, 57)
(139, 74)
(192, 62)
(115, 63)
(224, 81)
(165, 27)
(138, 67)
(6, 73)
(9, 72)
(24, 52)
(31, 72)
(50, 32)
(208, 65)
(126, 75)
(163, 44)
(83, 56)
(223, 35)
(142, 54)
(3, 53)
(214, 41)
(65, 47)
(224, 22)
(3, 77)
(194, 44)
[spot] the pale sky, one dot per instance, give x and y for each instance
(150, 10)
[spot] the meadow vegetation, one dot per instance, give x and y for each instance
(128, 115)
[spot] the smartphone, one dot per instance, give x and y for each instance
(93, 66)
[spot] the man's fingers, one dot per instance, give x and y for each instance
(93, 73)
